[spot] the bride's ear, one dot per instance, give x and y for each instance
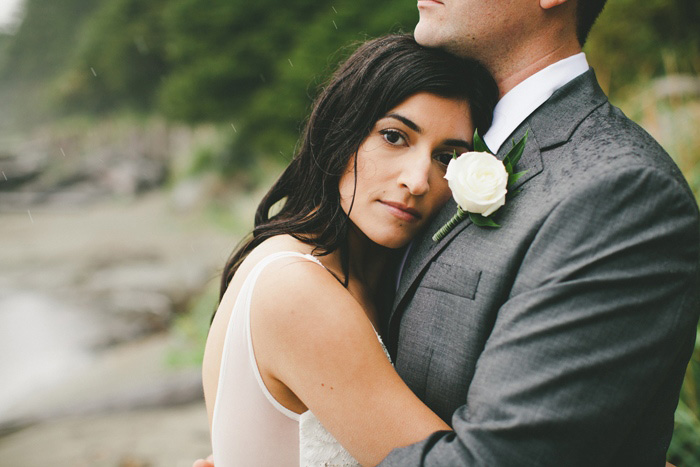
(547, 4)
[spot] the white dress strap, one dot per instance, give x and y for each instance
(249, 286)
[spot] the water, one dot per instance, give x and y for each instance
(42, 342)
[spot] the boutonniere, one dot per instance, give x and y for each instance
(479, 183)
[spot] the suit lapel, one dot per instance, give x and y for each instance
(550, 125)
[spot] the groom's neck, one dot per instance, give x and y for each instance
(515, 68)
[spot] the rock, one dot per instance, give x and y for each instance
(132, 177)
(18, 171)
(172, 437)
(191, 193)
(122, 159)
(177, 281)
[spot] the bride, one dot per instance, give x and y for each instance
(293, 349)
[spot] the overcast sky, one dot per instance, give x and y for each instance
(7, 10)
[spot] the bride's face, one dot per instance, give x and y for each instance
(401, 167)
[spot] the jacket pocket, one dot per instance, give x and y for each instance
(452, 279)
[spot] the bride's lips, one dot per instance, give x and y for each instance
(402, 211)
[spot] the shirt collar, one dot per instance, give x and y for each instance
(527, 96)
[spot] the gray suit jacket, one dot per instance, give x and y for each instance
(562, 337)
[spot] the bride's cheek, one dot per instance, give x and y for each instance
(444, 194)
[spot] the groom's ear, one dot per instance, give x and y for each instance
(547, 4)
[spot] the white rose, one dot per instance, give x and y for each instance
(478, 182)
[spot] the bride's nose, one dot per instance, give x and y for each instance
(415, 172)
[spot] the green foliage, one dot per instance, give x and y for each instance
(189, 330)
(685, 445)
(277, 109)
(265, 75)
(120, 59)
(636, 40)
(46, 37)
(223, 51)
(258, 64)
(229, 60)
(220, 157)
(5, 41)
(482, 221)
(39, 50)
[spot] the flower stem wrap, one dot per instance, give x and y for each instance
(456, 219)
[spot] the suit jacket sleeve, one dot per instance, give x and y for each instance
(593, 340)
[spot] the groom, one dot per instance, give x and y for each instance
(562, 337)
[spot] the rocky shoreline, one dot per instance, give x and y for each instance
(87, 298)
(99, 260)
(157, 437)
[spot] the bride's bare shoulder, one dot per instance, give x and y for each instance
(291, 273)
(276, 244)
(292, 278)
(291, 284)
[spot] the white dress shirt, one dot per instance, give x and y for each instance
(528, 95)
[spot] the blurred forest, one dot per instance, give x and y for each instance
(249, 70)
(258, 64)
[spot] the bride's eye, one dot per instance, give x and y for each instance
(444, 158)
(393, 137)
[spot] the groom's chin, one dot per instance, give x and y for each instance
(425, 35)
(428, 34)
(429, 37)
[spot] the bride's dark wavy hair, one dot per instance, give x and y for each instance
(377, 77)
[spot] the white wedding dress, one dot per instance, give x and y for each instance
(249, 427)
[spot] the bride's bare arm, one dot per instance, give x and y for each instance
(312, 337)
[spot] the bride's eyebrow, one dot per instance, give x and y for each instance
(460, 143)
(405, 121)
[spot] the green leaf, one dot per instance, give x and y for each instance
(479, 144)
(454, 154)
(516, 151)
(482, 221)
(515, 177)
